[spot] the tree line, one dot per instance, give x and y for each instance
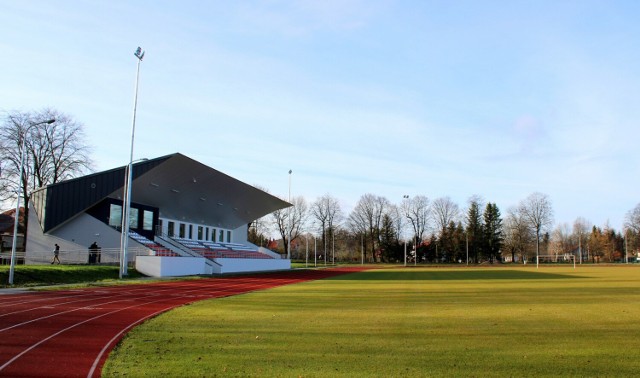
(376, 230)
(440, 231)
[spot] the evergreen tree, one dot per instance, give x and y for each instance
(493, 231)
(474, 231)
(389, 247)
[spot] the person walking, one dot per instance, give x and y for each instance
(56, 254)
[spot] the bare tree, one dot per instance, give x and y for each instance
(418, 211)
(561, 240)
(517, 234)
(632, 229)
(632, 219)
(290, 222)
(397, 219)
(326, 212)
(538, 212)
(580, 230)
(53, 152)
(445, 213)
(367, 217)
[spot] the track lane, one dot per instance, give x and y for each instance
(70, 333)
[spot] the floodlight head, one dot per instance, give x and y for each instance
(139, 53)
(52, 120)
(290, 171)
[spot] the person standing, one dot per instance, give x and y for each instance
(93, 253)
(56, 254)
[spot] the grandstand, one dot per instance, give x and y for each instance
(184, 215)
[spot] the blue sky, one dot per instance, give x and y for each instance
(438, 98)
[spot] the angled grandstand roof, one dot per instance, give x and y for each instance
(184, 189)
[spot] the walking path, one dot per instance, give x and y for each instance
(69, 333)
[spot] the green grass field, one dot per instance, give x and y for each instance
(42, 275)
(440, 322)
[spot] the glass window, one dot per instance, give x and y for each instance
(147, 220)
(213, 234)
(182, 230)
(133, 218)
(200, 229)
(221, 236)
(206, 234)
(228, 236)
(190, 231)
(171, 229)
(115, 215)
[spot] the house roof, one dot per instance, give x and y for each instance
(182, 188)
(7, 221)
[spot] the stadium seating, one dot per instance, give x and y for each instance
(212, 250)
(157, 249)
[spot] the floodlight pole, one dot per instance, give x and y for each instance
(124, 241)
(290, 221)
(626, 247)
(405, 197)
(405, 253)
(333, 247)
(580, 245)
(467, 239)
(17, 214)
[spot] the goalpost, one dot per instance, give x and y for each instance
(566, 258)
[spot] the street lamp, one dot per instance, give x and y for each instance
(405, 197)
(124, 241)
(17, 215)
(290, 221)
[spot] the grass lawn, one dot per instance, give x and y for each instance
(414, 322)
(39, 275)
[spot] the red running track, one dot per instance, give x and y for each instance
(70, 333)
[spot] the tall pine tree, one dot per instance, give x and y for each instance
(474, 232)
(493, 232)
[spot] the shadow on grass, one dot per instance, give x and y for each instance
(451, 275)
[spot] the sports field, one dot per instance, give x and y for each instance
(506, 321)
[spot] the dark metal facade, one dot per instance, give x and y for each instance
(57, 203)
(177, 186)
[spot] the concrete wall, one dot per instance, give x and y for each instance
(252, 265)
(74, 239)
(239, 235)
(155, 266)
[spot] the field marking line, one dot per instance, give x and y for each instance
(117, 336)
(105, 294)
(93, 318)
(263, 284)
(64, 330)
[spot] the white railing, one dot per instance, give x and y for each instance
(81, 256)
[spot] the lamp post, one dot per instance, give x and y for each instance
(405, 253)
(124, 238)
(290, 221)
(467, 240)
(17, 215)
